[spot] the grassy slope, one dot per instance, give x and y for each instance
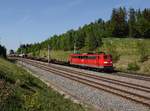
(126, 47)
(129, 53)
(20, 91)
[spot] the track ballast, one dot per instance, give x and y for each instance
(134, 92)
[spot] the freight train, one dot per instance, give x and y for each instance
(100, 61)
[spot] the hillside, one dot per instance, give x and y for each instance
(20, 91)
(124, 50)
(126, 36)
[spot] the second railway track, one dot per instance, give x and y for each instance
(134, 92)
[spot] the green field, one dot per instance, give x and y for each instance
(128, 49)
(20, 91)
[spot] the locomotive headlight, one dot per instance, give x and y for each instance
(105, 62)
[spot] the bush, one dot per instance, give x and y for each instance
(133, 66)
(143, 52)
(2, 51)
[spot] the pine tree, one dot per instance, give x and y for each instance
(131, 22)
(119, 22)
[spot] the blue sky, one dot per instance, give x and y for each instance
(29, 21)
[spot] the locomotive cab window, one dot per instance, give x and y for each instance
(91, 57)
(107, 57)
(84, 57)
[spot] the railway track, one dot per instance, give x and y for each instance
(105, 79)
(134, 92)
(133, 75)
(117, 73)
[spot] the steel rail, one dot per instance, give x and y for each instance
(135, 76)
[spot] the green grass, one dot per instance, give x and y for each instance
(128, 46)
(59, 55)
(133, 66)
(20, 91)
(130, 51)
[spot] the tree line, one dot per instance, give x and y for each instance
(123, 24)
(2, 51)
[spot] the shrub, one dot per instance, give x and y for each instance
(143, 52)
(2, 51)
(133, 66)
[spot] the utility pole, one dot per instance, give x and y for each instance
(20, 46)
(74, 47)
(21, 54)
(48, 53)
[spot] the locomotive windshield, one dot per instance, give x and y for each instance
(107, 57)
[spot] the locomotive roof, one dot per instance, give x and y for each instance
(89, 54)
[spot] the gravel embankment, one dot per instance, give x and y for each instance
(102, 100)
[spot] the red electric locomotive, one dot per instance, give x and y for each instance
(98, 60)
